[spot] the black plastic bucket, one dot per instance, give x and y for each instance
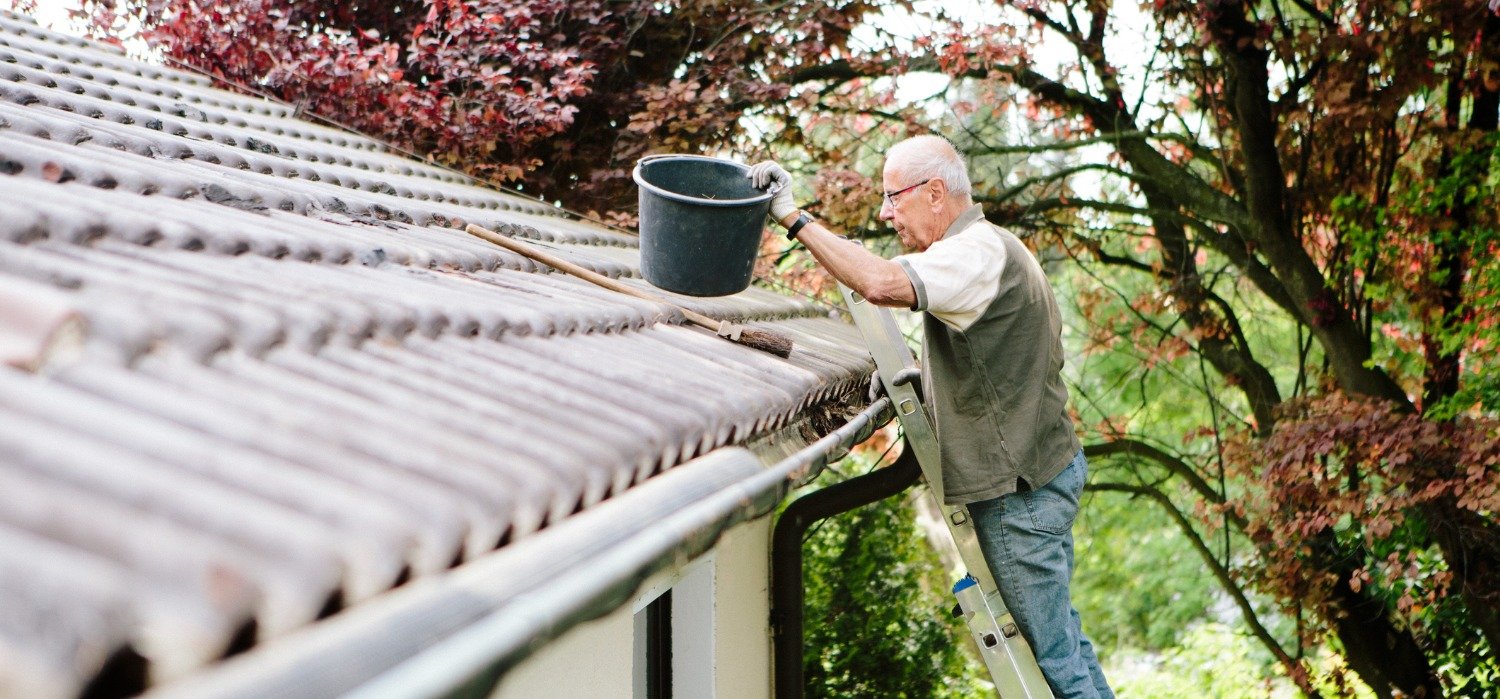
(701, 222)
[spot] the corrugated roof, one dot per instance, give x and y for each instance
(253, 375)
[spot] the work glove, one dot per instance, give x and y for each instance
(767, 174)
(910, 375)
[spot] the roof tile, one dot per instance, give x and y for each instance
(264, 375)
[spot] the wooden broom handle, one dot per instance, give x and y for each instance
(583, 273)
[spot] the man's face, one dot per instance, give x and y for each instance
(911, 208)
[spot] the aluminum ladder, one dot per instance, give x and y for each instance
(1005, 652)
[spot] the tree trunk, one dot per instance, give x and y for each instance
(1385, 656)
(1469, 541)
(1344, 342)
(1388, 659)
(1471, 545)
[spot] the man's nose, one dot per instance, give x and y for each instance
(887, 212)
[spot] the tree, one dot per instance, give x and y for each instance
(559, 97)
(1333, 160)
(1302, 175)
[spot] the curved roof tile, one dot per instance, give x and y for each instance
(255, 374)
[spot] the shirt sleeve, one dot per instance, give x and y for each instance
(957, 277)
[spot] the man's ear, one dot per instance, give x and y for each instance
(937, 191)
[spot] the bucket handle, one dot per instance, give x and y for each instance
(657, 156)
(773, 188)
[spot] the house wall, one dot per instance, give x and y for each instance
(743, 577)
(591, 660)
(721, 639)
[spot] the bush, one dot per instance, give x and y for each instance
(877, 609)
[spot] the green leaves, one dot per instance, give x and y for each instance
(877, 610)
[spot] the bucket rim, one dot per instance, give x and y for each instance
(685, 199)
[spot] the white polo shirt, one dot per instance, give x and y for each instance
(958, 276)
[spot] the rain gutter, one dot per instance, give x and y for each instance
(458, 633)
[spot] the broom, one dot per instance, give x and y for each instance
(763, 340)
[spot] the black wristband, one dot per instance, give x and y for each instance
(802, 219)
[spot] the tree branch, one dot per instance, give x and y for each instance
(1313, 11)
(1269, 225)
(1090, 48)
(1057, 146)
(1125, 447)
(1055, 175)
(1053, 203)
(1146, 160)
(1221, 573)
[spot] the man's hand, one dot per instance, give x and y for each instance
(763, 175)
(910, 375)
(877, 387)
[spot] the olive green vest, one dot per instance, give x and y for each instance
(996, 389)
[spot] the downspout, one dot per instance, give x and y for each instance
(786, 557)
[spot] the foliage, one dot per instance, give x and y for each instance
(1133, 587)
(566, 95)
(1349, 465)
(877, 609)
(1215, 661)
(447, 79)
(1338, 458)
(1211, 661)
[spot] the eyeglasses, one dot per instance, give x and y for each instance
(890, 197)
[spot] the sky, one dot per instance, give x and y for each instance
(53, 14)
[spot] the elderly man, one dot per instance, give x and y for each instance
(992, 357)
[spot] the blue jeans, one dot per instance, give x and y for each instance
(1027, 539)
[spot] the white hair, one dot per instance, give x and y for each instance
(927, 156)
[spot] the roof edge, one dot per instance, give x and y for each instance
(473, 624)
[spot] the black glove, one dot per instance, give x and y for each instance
(910, 375)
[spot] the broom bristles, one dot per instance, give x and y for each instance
(766, 341)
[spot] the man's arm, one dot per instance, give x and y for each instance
(881, 281)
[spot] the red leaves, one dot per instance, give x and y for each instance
(497, 86)
(962, 52)
(845, 197)
(1349, 467)
(440, 81)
